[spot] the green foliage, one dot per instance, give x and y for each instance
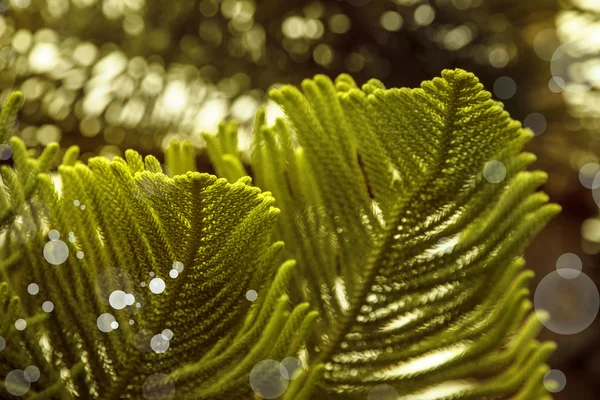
(405, 249)
(401, 265)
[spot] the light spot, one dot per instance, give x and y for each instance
(118, 299)
(339, 23)
(15, 383)
(293, 27)
(424, 15)
(269, 379)
(251, 295)
(244, 108)
(159, 343)
(494, 171)
(114, 325)
(43, 57)
(20, 324)
(56, 252)
(76, 203)
(53, 235)
(2, 343)
(80, 254)
(555, 381)
(569, 265)
(82, 207)
(556, 84)
(32, 373)
(48, 306)
(33, 289)
(129, 299)
(157, 285)
(579, 292)
(536, 122)
(178, 266)
(173, 273)
(505, 87)
(131, 322)
(587, 175)
(143, 284)
(498, 56)
(5, 152)
(167, 333)
(391, 21)
(104, 322)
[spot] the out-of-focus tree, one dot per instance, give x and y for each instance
(116, 74)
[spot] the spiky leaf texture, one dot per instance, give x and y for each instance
(125, 223)
(411, 256)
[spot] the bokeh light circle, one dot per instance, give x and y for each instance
(17, 383)
(56, 252)
(32, 373)
(587, 175)
(536, 122)
(33, 289)
(54, 235)
(569, 265)
(556, 84)
(105, 322)
(269, 379)
(494, 171)
(118, 299)
(5, 152)
(251, 295)
(159, 343)
(20, 324)
(157, 286)
(505, 87)
(555, 381)
(572, 303)
(178, 266)
(48, 306)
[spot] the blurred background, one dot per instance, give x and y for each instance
(109, 75)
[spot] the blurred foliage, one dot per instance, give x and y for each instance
(128, 72)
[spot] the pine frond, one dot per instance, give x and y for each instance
(141, 282)
(404, 214)
(407, 211)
